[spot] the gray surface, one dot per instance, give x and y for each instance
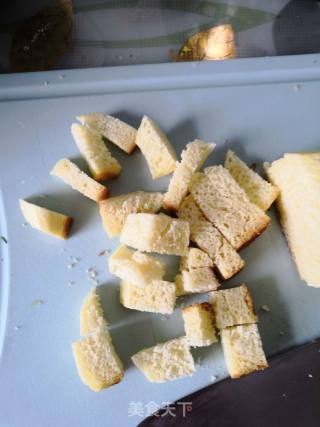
(38, 380)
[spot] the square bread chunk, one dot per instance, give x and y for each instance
(156, 233)
(111, 128)
(97, 362)
(166, 361)
(80, 181)
(45, 220)
(225, 258)
(100, 161)
(196, 258)
(158, 296)
(227, 206)
(192, 159)
(297, 175)
(198, 280)
(114, 211)
(259, 191)
(135, 267)
(91, 314)
(233, 307)
(198, 324)
(243, 351)
(156, 148)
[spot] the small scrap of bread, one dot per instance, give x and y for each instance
(166, 361)
(97, 362)
(196, 258)
(297, 175)
(91, 314)
(198, 280)
(100, 161)
(192, 159)
(113, 129)
(157, 296)
(135, 267)
(156, 233)
(225, 258)
(227, 206)
(78, 180)
(259, 191)
(243, 351)
(45, 220)
(114, 211)
(198, 324)
(156, 148)
(233, 307)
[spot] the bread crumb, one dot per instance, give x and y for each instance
(284, 395)
(104, 252)
(71, 265)
(37, 302)
(213, 378)
(71, 283)
(24, 224)
(296, 87)
(266, 308)
(310, 375)
(281, 333)
(17, 327)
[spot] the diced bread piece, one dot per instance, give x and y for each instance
(225, 258)
(259, 191)
(198, 324)
(227, 206)
(45, 220)
(113, 129)
(297, 175)
(91, 314)
(80, 181)
(196, 258)
(156, 233)
(178, 280)
(233, 307)
(158, 296)
(100, 161)
(243, 351)
(198, 280)
(166, 361)
(156, 148)
(114, 211)
(135, 267)
(97, 362)
(192, 159)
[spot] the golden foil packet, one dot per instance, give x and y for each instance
(213, 44)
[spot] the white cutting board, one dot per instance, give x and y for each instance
(260, 108)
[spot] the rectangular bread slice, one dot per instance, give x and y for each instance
(196, 258)
(198, 280)
(259, 191)
(156, 148)
(198, 324)
(97, 362)
(91, 314)
(111, 128)
(114, 211)
(100, 161)
(225, 258)
(166, 361)
(227, 206)
(156, 233)
(158, 296)
(45, 220)
(243, 351)
(135, 267)
(297, 175)
(192, 159)
(80, 181)
(233, 307)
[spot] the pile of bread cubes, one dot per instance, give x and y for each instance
(210, 216)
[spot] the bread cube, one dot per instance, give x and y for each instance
(166, 361)
(45, 220)
(156, 233)
(156, 148)
(198, 324)
(114, 211)
(158, 296)
(135, 267)
(199, 280)
(243, 351)
(233, 307)
(196, 258)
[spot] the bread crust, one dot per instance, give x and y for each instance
(66, 228)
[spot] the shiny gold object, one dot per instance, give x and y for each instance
(213, 44)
